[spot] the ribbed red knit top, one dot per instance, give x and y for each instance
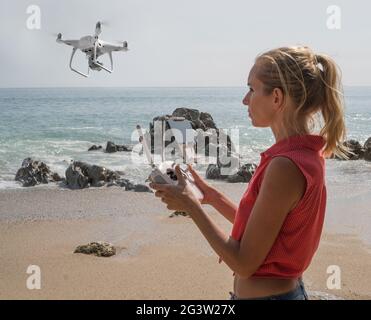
(299, 236)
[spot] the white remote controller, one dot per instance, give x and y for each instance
(165, 172)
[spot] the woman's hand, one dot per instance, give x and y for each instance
(205, 188)
(177, 197)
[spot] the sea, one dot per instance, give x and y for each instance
(58, 125)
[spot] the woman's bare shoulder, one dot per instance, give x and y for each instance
(284, 173)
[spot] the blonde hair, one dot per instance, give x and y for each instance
(313, 83)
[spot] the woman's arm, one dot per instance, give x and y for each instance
(223, 204)
(214, 198)
(283, 184)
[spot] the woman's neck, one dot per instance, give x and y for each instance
(283, 133)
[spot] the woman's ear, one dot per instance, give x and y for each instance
(278, 98)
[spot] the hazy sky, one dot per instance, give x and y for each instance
(178, 43)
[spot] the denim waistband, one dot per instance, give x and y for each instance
(298, 293)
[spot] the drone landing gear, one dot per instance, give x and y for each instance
(86, 75)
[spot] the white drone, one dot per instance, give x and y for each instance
(93, 47)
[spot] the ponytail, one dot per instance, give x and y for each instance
(332, 108)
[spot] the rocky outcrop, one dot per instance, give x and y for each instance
(95, 147)
(75, 178)
(244, 173)
(367, 150)
(35, 172)
(100, 249)
(130, 186)
(213, 172)
(205, 126)
(357, 151)
(209, 139)
(81, 175)
(142, 188)
(356, 148)
(199, 120)
(112, 147)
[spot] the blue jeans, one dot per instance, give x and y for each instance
(298, 293)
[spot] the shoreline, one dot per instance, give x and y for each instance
(158, 257)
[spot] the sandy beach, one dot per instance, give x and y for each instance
(158, 257)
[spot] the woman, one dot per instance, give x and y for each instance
(278, 223)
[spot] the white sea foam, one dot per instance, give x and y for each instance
(9, 184)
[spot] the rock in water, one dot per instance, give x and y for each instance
(56, 177)
(94, 147)
(34, 172)
(80, 175)
(100, 249)
(244, 174)
(112, 147)
(199, 120)
(367, 148)
(75, 179)
(356, 149)
(213, 172)
(142, 188)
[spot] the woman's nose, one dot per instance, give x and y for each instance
(246, 100)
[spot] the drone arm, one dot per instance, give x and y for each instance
(95, 52)
(77, 71)
(73, 43)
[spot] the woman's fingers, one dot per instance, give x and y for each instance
(168, 202)
(159, 193)
(194, 173)
(180, 175)
(161, 187)
(170, 207)
(198, 179)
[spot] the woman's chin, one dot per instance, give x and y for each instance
(257, 125)
(252, 121)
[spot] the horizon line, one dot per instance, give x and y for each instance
(143, 87)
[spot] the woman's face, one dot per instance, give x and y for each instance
(262, 108)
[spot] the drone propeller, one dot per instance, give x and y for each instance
(98, 28)
(56, 35)
(105, 23)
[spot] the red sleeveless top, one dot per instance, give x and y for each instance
(299, 236)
